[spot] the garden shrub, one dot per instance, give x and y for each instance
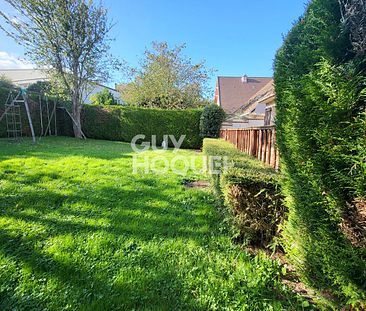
(211, 120)
(320, 86)
(251, 192)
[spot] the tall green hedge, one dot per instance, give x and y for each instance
(119, 123)
(321, 90)
(123, 123)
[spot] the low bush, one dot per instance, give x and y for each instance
(250, 190)
(211, 120)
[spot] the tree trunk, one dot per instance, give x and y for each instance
(76, 112)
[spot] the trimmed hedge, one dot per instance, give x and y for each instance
(122, 123)
(211, 120)
(250, 190)
(320, 86)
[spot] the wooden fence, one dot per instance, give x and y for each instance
(259, 142)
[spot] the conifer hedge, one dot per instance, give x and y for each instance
(320, 84)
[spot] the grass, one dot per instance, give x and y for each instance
(80, 231)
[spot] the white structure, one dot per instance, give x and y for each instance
(95, 88)
(26, 77)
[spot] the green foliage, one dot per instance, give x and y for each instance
(251, 192)
(120, 123)
(5, 87)
(320, 87)
(124, 122)
(211, 120)
(5, 84)
(166, 79)
(104, 97)
(79, 230)
(42, 87)
(69, 38)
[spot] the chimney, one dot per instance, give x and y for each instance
(244, 79)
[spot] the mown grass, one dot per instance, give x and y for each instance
(80, 231)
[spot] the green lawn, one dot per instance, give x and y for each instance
(80, 231)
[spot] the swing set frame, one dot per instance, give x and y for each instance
(47, 105)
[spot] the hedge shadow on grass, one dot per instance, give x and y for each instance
(83, 284)
(143, 225)
(48, 211)
(67, 147)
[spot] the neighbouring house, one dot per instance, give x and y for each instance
(26, 77)
(248, 101)
(261, 106)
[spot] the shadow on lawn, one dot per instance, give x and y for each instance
(84, 289)
(49, 148)
(128, 212)
(126, 215)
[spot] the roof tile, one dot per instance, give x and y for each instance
(234, 93)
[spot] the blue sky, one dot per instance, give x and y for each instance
(234, 37)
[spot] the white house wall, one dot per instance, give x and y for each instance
(94, 89)
(26, 77)
(242, 125)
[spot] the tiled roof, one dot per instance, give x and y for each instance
(264, 92)
(234, 93)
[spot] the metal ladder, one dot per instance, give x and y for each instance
(13, 119)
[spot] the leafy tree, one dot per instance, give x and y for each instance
(103, 97)
(42, 87)
(166, 79)
(69, 38)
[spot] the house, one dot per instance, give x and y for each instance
(245, 100)
(261, 106)
(26, 77)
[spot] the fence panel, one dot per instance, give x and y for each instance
(259, 142)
